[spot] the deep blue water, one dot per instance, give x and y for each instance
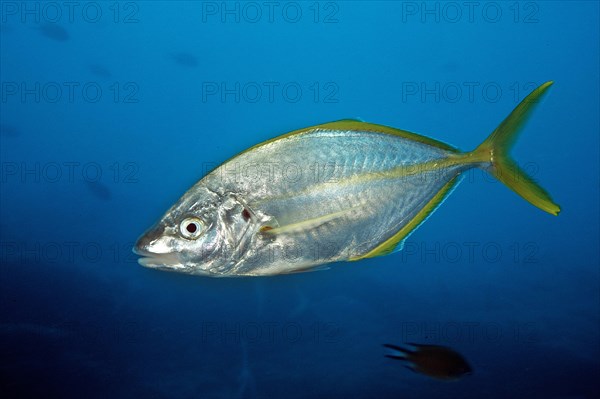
(110, 111)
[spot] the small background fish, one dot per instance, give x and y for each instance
(54, 32)
(435, 361)
(184, 59)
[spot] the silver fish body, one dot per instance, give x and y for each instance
(346, 190)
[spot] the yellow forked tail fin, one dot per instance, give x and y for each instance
(495, 150)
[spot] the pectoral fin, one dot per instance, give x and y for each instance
(306, 225)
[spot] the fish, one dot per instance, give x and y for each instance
(100, 71)
(100, 190)
(185, 59)
(9, 131)
(340, 191)
(54, 32)
(435, 361)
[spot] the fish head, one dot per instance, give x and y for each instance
(458, 370)
(204, 233)
(465, 369)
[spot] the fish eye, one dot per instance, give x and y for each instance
(191, 228)
(246, 214)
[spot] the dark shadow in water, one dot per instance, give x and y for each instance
(185, 59)
(100, 190)
(54, 32)
(100, 71)
(9, 131)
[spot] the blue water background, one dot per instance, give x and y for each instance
(513, 289)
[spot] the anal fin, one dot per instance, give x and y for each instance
(396, 241)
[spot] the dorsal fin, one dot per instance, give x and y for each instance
(352, 124)
(358, 125)
(351, 120)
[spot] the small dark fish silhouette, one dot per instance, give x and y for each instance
(100, 190)
(185, 59)
(432, 360)
(55, 32)
(8, 131)
(100, 71)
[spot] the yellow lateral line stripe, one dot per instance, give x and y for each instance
(395, 173)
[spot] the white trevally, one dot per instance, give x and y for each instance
(344, 190)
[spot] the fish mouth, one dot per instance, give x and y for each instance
(155, 251)
(157, 261)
